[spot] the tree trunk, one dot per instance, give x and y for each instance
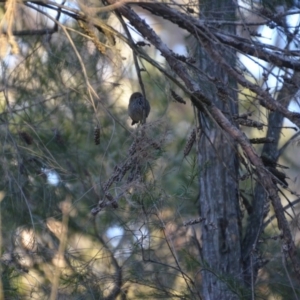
(218, 160)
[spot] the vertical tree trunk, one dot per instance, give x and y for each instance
(218, 159)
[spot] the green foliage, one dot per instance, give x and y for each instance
(141, 242)
(48, 157)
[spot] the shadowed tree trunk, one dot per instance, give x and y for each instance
(218, 160)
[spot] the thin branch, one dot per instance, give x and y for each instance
(202, 102)
(209, 41)
(115, 291)
(134, 52)
(198, 28)
(293, 203)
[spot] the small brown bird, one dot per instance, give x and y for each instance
(138, 108)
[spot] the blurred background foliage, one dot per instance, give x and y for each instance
(52, 175)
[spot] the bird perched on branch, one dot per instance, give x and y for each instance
(138, 108)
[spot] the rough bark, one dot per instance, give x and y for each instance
(218, 160)
(212, 95)
(260, 200)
